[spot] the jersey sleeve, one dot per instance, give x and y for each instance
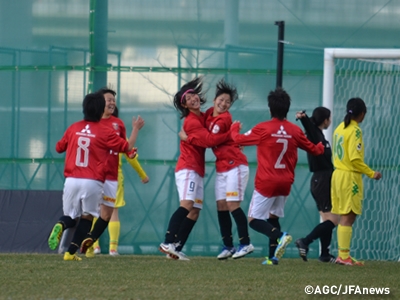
(135, 164)
(116, 143)
(356, 155)
(200, 136)
(311, 129)
(62, 144)
(306, 145)
(251, 137)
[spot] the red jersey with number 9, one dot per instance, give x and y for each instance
(88, 146)
(277, 142)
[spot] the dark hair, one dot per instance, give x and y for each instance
(319, 115)
(106, 90)
(115, 112)
(195, 85)
(93, 107)
(225, 88)
(354, 108)
(279, 103)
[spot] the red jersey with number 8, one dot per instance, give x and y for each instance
(88, 146)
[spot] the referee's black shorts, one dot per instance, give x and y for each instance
(320, 187)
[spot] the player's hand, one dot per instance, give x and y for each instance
(377, 175)
(182, 135)
(137, 122)
(132, 153)
(300, 114)
(145, 180)
(240, 124)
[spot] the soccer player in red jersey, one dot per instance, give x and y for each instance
(277, 142)
(87, 144)
(232, 173)
(111, 182)
(190, 169)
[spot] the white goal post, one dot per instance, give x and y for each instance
(330, 54)
(374, 76)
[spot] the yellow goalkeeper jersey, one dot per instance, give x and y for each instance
(348, 149)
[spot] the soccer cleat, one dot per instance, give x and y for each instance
(283, 242)
(349, 261)
(55, 236)
(97, 250)
(327, 259)
(169, 249)
(86, 243)
(90, 252)
(226, 252)
(181, 256)
(113, 253)
(68, 256)
(303, 248)
(243, 250)
(270, 261)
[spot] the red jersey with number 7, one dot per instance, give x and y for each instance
(88, 146)
(277, 142)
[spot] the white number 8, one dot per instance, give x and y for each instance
(82, 153)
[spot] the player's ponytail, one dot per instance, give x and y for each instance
(354, 108)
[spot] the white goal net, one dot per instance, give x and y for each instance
(374, 76)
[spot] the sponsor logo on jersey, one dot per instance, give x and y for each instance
(115, 126)
(248, 132)
(281, 133)
(232, 194)
(86, 129)
(359, 147)
(215, 129)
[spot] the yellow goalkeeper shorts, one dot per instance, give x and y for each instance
(346, 192)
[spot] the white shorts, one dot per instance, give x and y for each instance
(110, 193)
(261, 207)
(82, 197)
(231, 185)
(190, 187)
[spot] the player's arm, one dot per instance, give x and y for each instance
(310, 128)
(252, 137)
(135, 164)
(137, 124)
(199, 136)
(62, 144)
(355, 154)
(308, 146)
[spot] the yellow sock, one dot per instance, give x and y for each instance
(114, 229)
(344, 234)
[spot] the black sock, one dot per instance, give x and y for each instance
(326, 238)
(318, 231)
(265, 228)
(273, 243)
(67, 222)
(184, 232)
(98, 229)
(81, 231)
(174, 224)
(241, 224)
(225, 227)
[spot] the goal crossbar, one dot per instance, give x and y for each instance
(330, 54)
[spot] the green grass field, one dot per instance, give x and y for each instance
(47, 276)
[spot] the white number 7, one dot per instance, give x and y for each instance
(278, 164)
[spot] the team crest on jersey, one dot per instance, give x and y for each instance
(215, 129)
(359, 147)
(115, 126)
(86, 129)
(248, 132)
